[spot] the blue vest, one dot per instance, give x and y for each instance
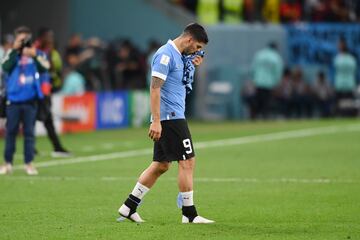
(23, 83)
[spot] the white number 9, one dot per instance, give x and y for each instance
(187, 144)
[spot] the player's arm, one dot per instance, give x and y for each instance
(155, 127)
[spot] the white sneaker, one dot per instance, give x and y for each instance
(31, 170)
(197, 219)
(124, 212)
(6, 169)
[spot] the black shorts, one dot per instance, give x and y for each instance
(175, 143)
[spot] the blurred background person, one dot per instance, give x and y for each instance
(284, 94)
(270, 10)
(345, 77)
(267, 70)
(92, 65)
(89, 58)
(74, 82)
(6, 45)
(208, 11)
(339, 11)
(231, 11)
(129, 72)
(323, 95)
(302, 99)
(317, 10)
(22, 66)
(152, 48)
(45, 42)
(248, 94)
(290, 11)
(74, 45)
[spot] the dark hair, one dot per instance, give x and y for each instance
(42, 31)
(287, 72)
(273, 45)
(22, 29)
(343, 44)
(197, 32)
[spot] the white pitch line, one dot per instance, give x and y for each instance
(205, 180)
(93, 158)
(279, 136)
(309, 132)
(106, 146)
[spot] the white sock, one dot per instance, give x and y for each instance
(187, 198)
(139, 190)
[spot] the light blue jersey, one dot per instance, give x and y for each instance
(168, 65)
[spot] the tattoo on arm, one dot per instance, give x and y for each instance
(156, 82)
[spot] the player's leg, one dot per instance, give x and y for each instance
(185, 175)
(153, 172)
(185, 182)
(146, 180)
(184, 150)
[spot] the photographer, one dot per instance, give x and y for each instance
(45, 42)
(22, 67)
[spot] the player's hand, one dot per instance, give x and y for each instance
(197, 61)
(155, 130)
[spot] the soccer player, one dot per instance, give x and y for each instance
(168, 129)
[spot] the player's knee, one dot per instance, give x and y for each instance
(188, 164)
(163, 167)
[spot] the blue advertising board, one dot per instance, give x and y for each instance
(316, 44)
(112, 110)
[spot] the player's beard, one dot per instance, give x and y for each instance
(187, 51)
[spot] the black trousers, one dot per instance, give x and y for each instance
(263, 99)
(50, 128)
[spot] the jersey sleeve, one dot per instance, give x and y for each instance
(161, 65)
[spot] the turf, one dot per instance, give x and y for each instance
(297, 188)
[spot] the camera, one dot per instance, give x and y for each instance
(25, 43)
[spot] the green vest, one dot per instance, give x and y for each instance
(55, 70)
(345, 72)
(233, 11)
(208, 11)
(267, 68)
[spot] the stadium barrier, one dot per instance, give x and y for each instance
(94, 111)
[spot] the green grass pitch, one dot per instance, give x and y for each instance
(258, 186)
